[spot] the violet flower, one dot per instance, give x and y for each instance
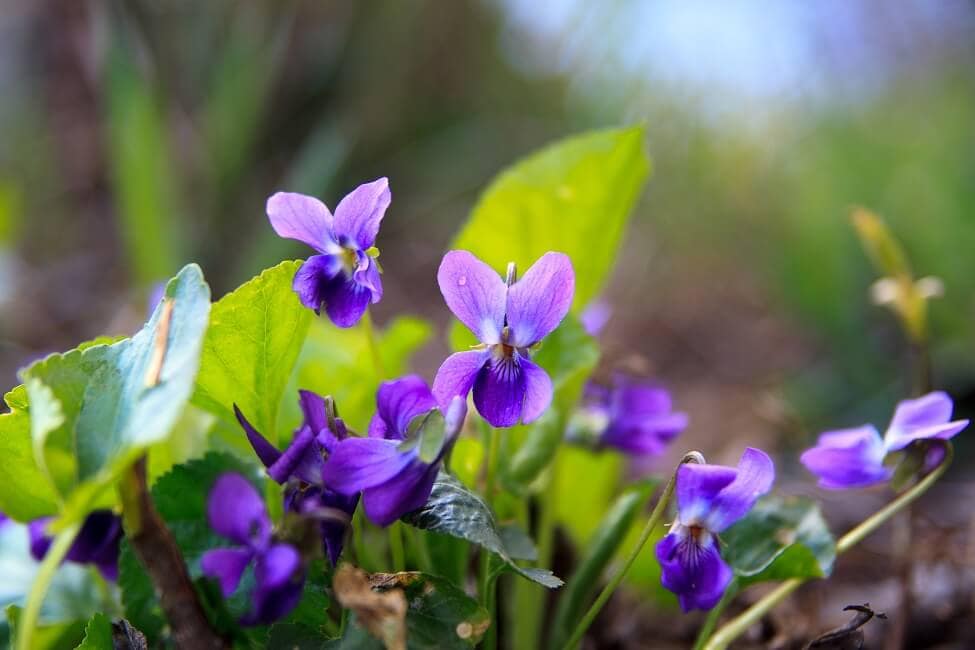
(595, 316)
(850, 458)
(388, 467)
(508, 318)
(344, 276)
(709, 499)
(632, 416)
(236, 511)
(300, 467)
(97, 542)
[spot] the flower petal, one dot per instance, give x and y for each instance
(313, 409)
(922, 418)
(267, 452)
(646, 437)
(538, 390)
(457, 374)
(368, 277)
(302, 458)
(475, 293)
(499, 391)
(236, 511)
(697, 487)
(848, 458)
(409, 491)
(227, 566)
(313, 278)
(98, 540)
(305, 218)
(399, 401)
(40, 541)
(361, 463)
(693, 570)
(595, 316)
(539, 301)
(756, 473)
(279, 579)
(345, 300)
(358, 215)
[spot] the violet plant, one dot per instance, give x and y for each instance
(219, 511)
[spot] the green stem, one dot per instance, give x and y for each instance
(712, 620)
(373, 342)
(737, 626)
(418, 542)
(42, 581)
(486, 589)
(655, 516)
(398, 555)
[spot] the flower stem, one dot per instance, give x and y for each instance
(648, 528)
(712, 620)
(396, 546)
(373, 342)
(42, 581)
(737, 626)
(492, 438)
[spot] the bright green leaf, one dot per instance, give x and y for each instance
(255, 335)
(50, 636)
(780, 538)
(574, 196)
(453, 509)
(25, 493)
(98, 634)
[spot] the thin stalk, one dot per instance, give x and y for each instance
(373, 343)
(418, 542)
(737, 626)
(486, 589)
(651, 525)
(715, 614)
(396, 551)
(42, 582)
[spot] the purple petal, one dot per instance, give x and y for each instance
(756, 473)
(313, 409)
(405, 493)
(398, 402)
(227, 566)
(302, 458)
(454, 420)
(475, 293)
(646, 437)
(367, 276)
(345, 300)
(595, 316)
(499, 391)
(314, 278)
(539, 301)
(98, 540)
(40, 541)
(922, 418)
(538, 390)
(237, 512)
(264, 449)
(358, 215)
(848, 458)
(693, 570)
(361, 463)
(279, 580)
(336, 519)
(697, 487)
(305, 218)
(457, 374)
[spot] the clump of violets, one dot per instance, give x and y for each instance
(300, 468)
(856, 457)
(344, 277)
(509, 318)
(236, 511)
(709, 499)
(631, 416)
(97, 542)
(395, 466)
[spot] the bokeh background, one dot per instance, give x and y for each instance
(137, 136)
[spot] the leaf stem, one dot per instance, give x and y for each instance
(373, 343)
(486, 589)
(396, 550)
(715, 614)
(737, 626)
(648, 528)
(42, 582)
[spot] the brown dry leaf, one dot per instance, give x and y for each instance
(382, 614)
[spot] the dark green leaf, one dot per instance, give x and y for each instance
(574, 196)
(780, 538)
(517, 542)
(98, 634)
(453, 509)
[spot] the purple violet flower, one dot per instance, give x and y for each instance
(388, 467)
(632, 416)
(595, 316)
(97, 542)
(709, 499)
(300, 467)
(236, 511)
(344, 276)
(850, 458)
(508, 318)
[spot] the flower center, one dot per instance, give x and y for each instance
(350, 259)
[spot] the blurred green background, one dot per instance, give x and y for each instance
(136, 136)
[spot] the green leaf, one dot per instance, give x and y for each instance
(780, 538)
(26, 493)
(93, 411)
(596, 555)
(256, 333)
(52, 636)
(453, 509)
(337, 362)
(574, 196)
(98, 634)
